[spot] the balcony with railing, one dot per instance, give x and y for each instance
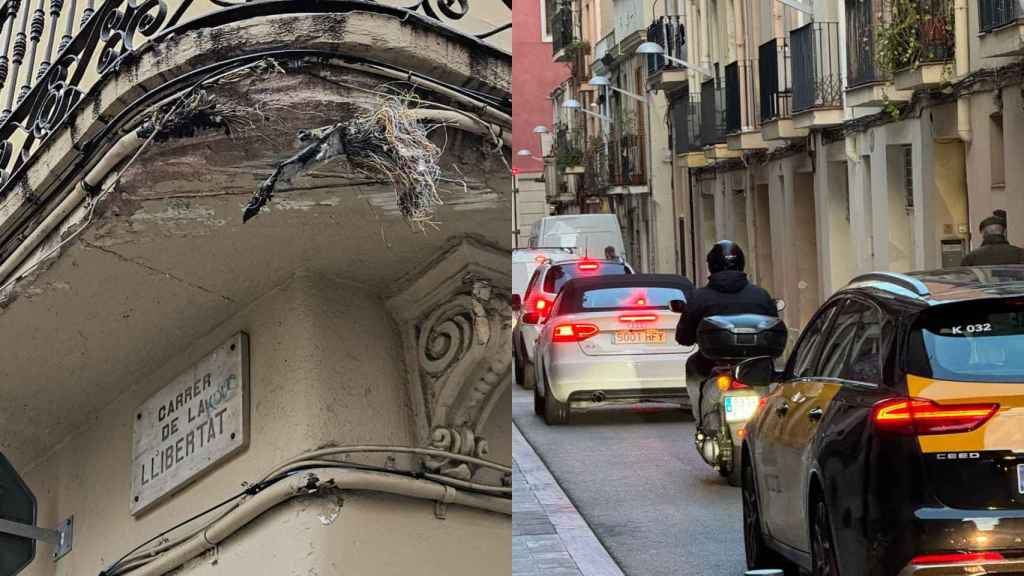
(605, 51)
(670, 33)
(775, 85)
(869, 34)
(742, 107)
(712, 111)
(817, 83)
(627, 161)
(1001, 23)
(564, 31)
(919, 45)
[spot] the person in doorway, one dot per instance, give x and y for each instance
(995, 249)
(728, 291)
(609, 253)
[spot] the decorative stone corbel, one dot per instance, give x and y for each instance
(456, 325)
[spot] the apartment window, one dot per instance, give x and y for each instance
(996, 156)
(545, 25)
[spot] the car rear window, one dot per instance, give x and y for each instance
(629, 297)
(559, 274)
(978, 341)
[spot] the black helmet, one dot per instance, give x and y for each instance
(726, 255)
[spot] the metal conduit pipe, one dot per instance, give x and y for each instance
(121, 150)
(963, 65)
(309, 483)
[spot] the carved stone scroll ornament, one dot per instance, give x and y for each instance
(463, 362)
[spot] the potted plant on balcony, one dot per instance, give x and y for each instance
(916, 35)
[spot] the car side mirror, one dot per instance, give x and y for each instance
(678, 306)
(531, 318)
(758, 372)
(517, 302)
(780, 304)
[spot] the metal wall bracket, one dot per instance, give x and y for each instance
(61, 539)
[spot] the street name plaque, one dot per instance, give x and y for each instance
(192, 424)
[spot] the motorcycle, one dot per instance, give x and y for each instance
(725, 404)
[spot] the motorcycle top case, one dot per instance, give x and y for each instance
(741, 336)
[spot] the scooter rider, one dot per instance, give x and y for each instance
(728, 292)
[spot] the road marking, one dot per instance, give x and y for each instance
(590, 556)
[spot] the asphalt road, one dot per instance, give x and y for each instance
(637, 480)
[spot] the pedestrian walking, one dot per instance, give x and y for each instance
(995, 249)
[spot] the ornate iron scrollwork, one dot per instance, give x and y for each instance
(456, 10)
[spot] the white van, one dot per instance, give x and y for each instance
(526, 260)
(589, 234)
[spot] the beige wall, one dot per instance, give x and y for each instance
(326, 367)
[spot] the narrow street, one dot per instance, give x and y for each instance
(636, 479)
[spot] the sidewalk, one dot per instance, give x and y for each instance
(549, 537)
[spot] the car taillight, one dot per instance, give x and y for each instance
(964, 558)
(638, 318)
(914, 416)
(541, 305)
(588, 266)
(573, 332)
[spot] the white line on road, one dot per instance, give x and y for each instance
(590, 556)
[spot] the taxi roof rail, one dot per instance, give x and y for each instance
(902, 280)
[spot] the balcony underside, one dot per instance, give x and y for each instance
(781, 129)
(721, 152)
(627, 189)
(746, 140)
(875, 94)
(695, 159)
(668, 79)
(818, 118)
(165, 257)
(924, 75)
(1005, 41)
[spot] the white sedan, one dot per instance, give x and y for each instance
(611, 339)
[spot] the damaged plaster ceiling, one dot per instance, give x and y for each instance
(168, 257)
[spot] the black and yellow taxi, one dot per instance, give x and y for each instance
(893, 441)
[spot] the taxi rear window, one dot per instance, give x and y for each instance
(560, 274)
(977, 341)
(630, 297)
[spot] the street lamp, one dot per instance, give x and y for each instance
(525, 153)
(603, 81)
(572, 104)
(655, 48)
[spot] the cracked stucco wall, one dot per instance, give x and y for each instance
(325, 367)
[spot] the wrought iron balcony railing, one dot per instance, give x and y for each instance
(568, 146)
(776, 95)
(816, 79)
(694, 141)
(563, 27)
(935, 33)
(741, 98)
(670, 33)
(712, 111)
(997, 13)
(627, 162)
(679, 113)
(604, 49)
(53, 53)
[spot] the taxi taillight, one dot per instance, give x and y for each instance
(575, 332)
(920, 417)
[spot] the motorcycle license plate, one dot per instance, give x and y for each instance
(651, 336)
(740, 407)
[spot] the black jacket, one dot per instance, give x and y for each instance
(728, 292)
(994, 250)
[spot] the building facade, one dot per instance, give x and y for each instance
(534, 75)
(254, 262)
(834, 138)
